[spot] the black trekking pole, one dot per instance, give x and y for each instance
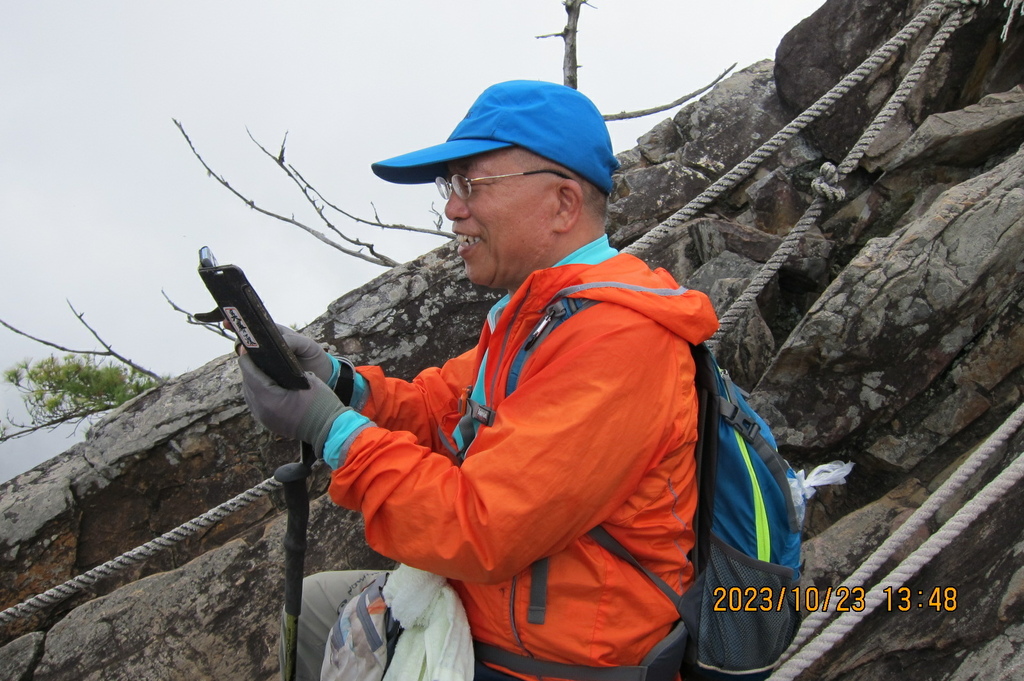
(293, 478)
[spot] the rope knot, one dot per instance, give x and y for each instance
(826, 185)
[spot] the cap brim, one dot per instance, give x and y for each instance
(420, 167)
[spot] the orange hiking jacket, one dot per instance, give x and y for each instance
(600, 430)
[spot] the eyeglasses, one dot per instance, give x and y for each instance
(462, 186)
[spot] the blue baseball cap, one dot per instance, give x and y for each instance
(553, 121)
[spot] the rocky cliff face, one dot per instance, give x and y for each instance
(893, 338)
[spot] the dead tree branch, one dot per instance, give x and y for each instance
(107, 352)
(318, 202)
(212, 328)
(368, 257)
(45, 342)
(658, 109)
(110, 352)
(52, 424)
(359, 249)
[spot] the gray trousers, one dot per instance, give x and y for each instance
(324, 595)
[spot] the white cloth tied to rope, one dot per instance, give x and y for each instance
(436, 644)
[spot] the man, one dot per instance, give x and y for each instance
(475, 476)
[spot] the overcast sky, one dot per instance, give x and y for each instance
(102, 204)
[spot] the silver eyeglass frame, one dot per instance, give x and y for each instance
(455, 185)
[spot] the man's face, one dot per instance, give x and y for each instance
(504, 228)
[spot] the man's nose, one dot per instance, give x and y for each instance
(455, 208)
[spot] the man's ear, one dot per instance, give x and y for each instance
(570, 205)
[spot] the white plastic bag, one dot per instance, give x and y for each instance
(801, 487)
(833, 473)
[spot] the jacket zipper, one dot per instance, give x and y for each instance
(538, 331)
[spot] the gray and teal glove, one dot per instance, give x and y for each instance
(337, 373)
(305, 415)
(311, 356)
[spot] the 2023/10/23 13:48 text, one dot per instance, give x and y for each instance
(841, 599)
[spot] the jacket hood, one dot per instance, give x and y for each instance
(627, 281)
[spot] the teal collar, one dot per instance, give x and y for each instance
(594, 253)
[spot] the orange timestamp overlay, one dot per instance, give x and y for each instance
(838, 599)
(905, 599)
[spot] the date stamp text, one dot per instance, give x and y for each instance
(836, 599)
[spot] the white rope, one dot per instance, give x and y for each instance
(743, 169)
(915, 522)
(1016, 6)
(826, 185)
(138, 554)
(836, 631)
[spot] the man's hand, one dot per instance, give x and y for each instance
(305, 415)
(311, 356)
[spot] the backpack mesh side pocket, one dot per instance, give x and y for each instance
(744, 611)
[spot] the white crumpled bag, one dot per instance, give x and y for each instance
(802, 486)
(833, 473)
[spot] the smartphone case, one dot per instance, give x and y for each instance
(250, 321)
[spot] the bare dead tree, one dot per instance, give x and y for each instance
(346, 244)
(570, 64)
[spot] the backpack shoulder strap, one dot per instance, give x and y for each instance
(706, 451)
(554, 315)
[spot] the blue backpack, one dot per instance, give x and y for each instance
(741, 610)
(740, 614)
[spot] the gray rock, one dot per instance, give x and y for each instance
(927, 291)
(1001, 659)
(965, 138)
(18, 659)
(685, 155)
(660, 143)
(724, 127)
(836, 553)
(154, 463)
(645, 196)
(834, 40)
(776, 203)
(415, 315)
(952, 628)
